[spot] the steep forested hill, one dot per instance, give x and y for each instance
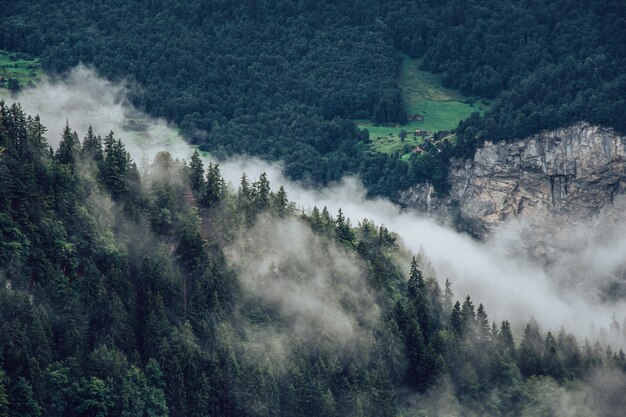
(168, 293)
(283, 80)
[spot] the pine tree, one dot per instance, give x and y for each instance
(551, 361)
(417, 354)
(482, 324)
(36, 134)
(328, 406)
(569, 352)
(196, 173)
(92, 146)
(69, 147)
(262, 193)
(343, 227)
(419, 298)
(245, 202)
(416, 284)
(614, 326)
(280, 202)
(116, 167)
(315, 220)
(468, 317)
(16, 143)
(456, 319)
(448, 296)
(56, 386)
(245, 192)
(495, 333)
(531, 351)
(328, 224)
(21, 400)
(215, 187)
(140, 397)
(506, 339)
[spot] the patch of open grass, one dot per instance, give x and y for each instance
(442, 108)
(386, 139)
(422, 93)
(19, 67)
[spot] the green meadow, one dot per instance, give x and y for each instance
(18, 67)
(386, 139)
(422, 94)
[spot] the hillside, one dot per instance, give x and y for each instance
(168, 293)
(18, 71)
(285, 81)
(429, 106)
(207, 208)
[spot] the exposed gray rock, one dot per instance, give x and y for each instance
(572, 173)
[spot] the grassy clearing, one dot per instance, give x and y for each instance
(386, 139)
(422, 93)
(19, 67)
(442, 108)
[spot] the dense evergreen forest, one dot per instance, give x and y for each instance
(285, 79)
(159, 290)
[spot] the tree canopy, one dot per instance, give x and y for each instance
(123, 295)
(284, 80)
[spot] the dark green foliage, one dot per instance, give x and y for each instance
(69, 147)
(419, 298)
(196, 173)
(280, 202)
(92, 146)
(14, 85)
(117, 298)
(456, 320)
(531, 351)
(215, 186)
(282, 80)
(4, 399)
(261, 193)
(506, 339)
(21, 400)
(547, 64)
(117, 168)
(343, 228)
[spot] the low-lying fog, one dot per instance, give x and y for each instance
(564, 292)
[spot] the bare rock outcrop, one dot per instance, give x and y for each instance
(574, 173)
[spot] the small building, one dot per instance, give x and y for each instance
(419, 132)
(417, 117)
(417, 150)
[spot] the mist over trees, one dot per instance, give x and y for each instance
(160, 290)
(283, 80)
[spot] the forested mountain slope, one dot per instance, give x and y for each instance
(283, 80)
(167, 293)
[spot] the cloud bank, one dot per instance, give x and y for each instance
(498, 273)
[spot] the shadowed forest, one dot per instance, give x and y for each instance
(285, 80)
(160, 290)
(154, 287)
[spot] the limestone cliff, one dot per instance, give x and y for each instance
(572, 172)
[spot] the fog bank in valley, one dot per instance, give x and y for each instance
(498, 273)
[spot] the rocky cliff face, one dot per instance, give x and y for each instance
(573, 173)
